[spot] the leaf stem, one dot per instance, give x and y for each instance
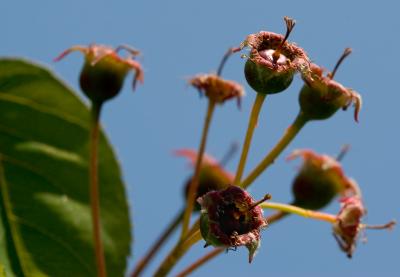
(289, 135)
(258, 102)
(196, 175)
(141, 265)
(94, 190)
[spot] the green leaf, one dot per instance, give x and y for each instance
(45, 223)
(2, 272)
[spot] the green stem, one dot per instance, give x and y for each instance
(179, 250)
(196, 175)
(156, 246)
(258, 102)
(94, 190)
(286, 208)
(289, 135)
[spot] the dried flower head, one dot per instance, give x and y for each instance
(231, 218)
(216, 88)
(319, 180)
(212, 175)
(273, 61)
(347, 227)
(321, 96)
(104, 70)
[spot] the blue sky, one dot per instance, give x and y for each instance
(181, 38)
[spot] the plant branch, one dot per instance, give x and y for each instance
(258, 102)
(196, 175)
(286, 208)
(289, 135)
(94, 190)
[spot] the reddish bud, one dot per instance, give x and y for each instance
(320, 179)
(231, 218)
(273, 61)
(212, 175)
(348, 223)
(217, 89)
(321, 96)
(348, 227)
(104, 71)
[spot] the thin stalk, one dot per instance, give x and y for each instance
(299, 211)
(179, 250)
(94, 190)
(388, 225)
(258, 102)
(289, 135)
(196, 175)
(141, 265)
(276, 216)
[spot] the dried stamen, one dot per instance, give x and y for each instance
(129, 49)
(289, 27)
(388, 225)
(346, 52)
(265, 198)
(345, 149)
(224, 59)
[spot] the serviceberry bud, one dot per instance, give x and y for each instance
(212, 174)
(347, 227)
(273, 61)
(321, 96)
(217, 89)
(320, 179)
(231, 218)
(104, 71)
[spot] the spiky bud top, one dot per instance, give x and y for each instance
(104, 71)
(321, 96)
(231, 218)
(217, 89)
(320, 179)
(212, 175)
(273, 60)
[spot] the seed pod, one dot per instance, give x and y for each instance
(231, 218)
(104, 71)
(217, 89)
(321, 96)
(347, 227)
(319, 181)
(212, 175)
(273, 61)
